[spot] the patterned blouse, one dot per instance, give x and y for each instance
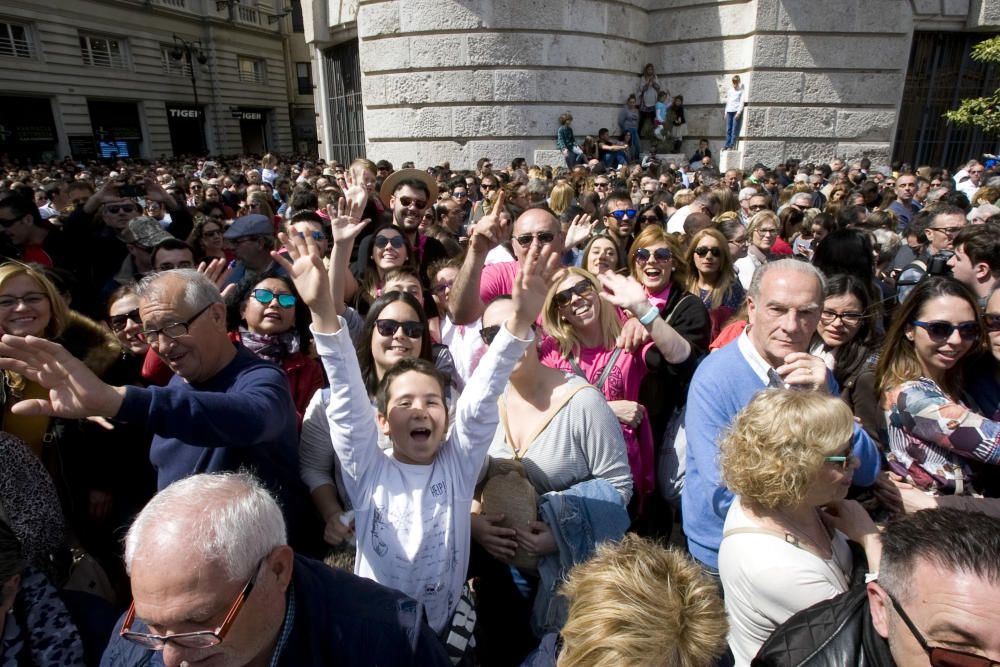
(932, 438)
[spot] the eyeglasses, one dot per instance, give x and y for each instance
(843, 462)
(992, 321)
(459, 195)
(442, 287)
(266, 296)
(642, 255)
(602, 184)
(939, 656)
(739, 243)
(214, 233)
(489, 186)
(627, 213)
(563, 298)
(850, 318)
(704, 250)
(316, 235)
(544, 238)
(489, 333)
(949, 231)
(941, 330)
(767, 231)
(396, 242)
(759, 207)
(119, 322)
(200, 639)
(649, 219)
(29, 299)
(411, 329)
(122, 208)
(428, 215)
(171, 331)
(407, 202)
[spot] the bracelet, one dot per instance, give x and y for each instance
(870, 577)
(650, 316)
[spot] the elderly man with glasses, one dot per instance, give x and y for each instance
(238, 594)
(225, 409)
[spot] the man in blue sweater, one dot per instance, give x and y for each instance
(224, 409)
(214, 582)
(784, 305)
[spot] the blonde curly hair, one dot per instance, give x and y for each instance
(777, 444)
(637, 603)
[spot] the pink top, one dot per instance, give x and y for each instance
(622, 384)
(497, 280)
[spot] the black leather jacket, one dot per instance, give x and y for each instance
(832, 633)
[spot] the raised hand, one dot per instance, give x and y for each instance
(356, 198)
(306, 269)
(625, 292)
(155, 192)
(75, 392)
(579, 230)
(485, 234)
(534, 275)
(345, 219)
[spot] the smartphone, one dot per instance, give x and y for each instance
(132, 190)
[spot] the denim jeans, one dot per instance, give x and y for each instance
(636, 144)
(733, 123)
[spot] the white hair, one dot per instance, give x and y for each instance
(746, 193)
(784, 265)
(199, 291)
(224, 518)
(983, 211)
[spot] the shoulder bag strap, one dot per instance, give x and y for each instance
(543, 423)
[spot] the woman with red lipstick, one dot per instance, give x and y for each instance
(934, 438)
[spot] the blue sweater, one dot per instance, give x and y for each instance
(339, 619)
(722, 386)
(242, 418)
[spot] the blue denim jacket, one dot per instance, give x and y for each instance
(580, 518)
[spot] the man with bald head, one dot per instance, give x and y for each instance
(477, 284)
(225, 409)
(214, 582)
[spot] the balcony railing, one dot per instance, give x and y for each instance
(16, 48)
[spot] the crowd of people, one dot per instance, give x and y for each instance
(290, 412)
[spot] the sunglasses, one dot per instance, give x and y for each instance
(459, 194)
(125, 208)
(642, 255)
(939, 656)
(524, 240)
(389, 328)
(627, 213)
(489, 186)
(266, 296)
(489, 333)
(992, 321)
(9, 222)
(844, 462)
(601, 185)
(564, 297)
(211, 234)
(940, 330)
(407, 202)
(650, 219)
(704, 250)
(759, 207)
(396, 242)
(119, 322)
(316, 235)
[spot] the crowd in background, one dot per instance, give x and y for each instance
(499, 392)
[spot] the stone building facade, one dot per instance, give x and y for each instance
(457, 80)
(92, 77)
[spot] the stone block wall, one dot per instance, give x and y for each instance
(461, 79)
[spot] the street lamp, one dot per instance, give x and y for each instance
(194, 53)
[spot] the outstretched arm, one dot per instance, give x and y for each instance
(464, 302)
(628, 293)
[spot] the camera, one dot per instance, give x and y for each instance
(937, 265)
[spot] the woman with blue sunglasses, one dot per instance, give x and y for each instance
(934, 434)
(275, 326)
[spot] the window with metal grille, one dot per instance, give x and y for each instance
(252, 70)
(173, 67)
(99, 51)
(15, 41)
(303, 74)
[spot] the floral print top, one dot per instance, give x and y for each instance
(932, 438)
